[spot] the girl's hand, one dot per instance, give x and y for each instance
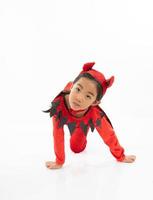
(129, 159)
(53, 165)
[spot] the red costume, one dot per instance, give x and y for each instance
(94, 117)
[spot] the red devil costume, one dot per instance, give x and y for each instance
(95, 117)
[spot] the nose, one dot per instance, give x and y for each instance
(79, 98)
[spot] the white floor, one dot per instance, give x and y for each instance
(93, 174)
(43, 45)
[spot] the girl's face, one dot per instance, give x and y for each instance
(83, 94)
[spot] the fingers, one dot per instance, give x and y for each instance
(52, 165)
(129, 159)
(133, 157)
(48, 163)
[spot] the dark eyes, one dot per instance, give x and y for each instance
(78, 90)
(88, 96)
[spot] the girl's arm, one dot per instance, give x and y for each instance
(108, 135)
(58, 136)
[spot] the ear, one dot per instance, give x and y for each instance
(110, 81)
(95, 103)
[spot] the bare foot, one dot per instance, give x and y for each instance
(53, 165)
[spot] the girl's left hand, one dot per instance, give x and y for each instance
(129, 159)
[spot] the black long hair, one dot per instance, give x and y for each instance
(99, 87)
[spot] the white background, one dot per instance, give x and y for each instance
(43, 45)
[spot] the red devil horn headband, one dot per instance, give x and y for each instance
(88, 66)
(105, 83)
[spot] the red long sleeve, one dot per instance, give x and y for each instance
(59, 148)
(94, 118)
(108, 135)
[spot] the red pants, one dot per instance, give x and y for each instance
(78, 141)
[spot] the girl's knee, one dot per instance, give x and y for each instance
(78, 147)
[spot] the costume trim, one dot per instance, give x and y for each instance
(86, 122)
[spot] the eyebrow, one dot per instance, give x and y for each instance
(82, 88)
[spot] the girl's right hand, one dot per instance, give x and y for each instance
(53, 165)
(129, 159)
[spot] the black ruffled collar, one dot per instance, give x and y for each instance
(61, 111)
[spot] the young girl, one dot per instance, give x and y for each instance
(77, 106)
